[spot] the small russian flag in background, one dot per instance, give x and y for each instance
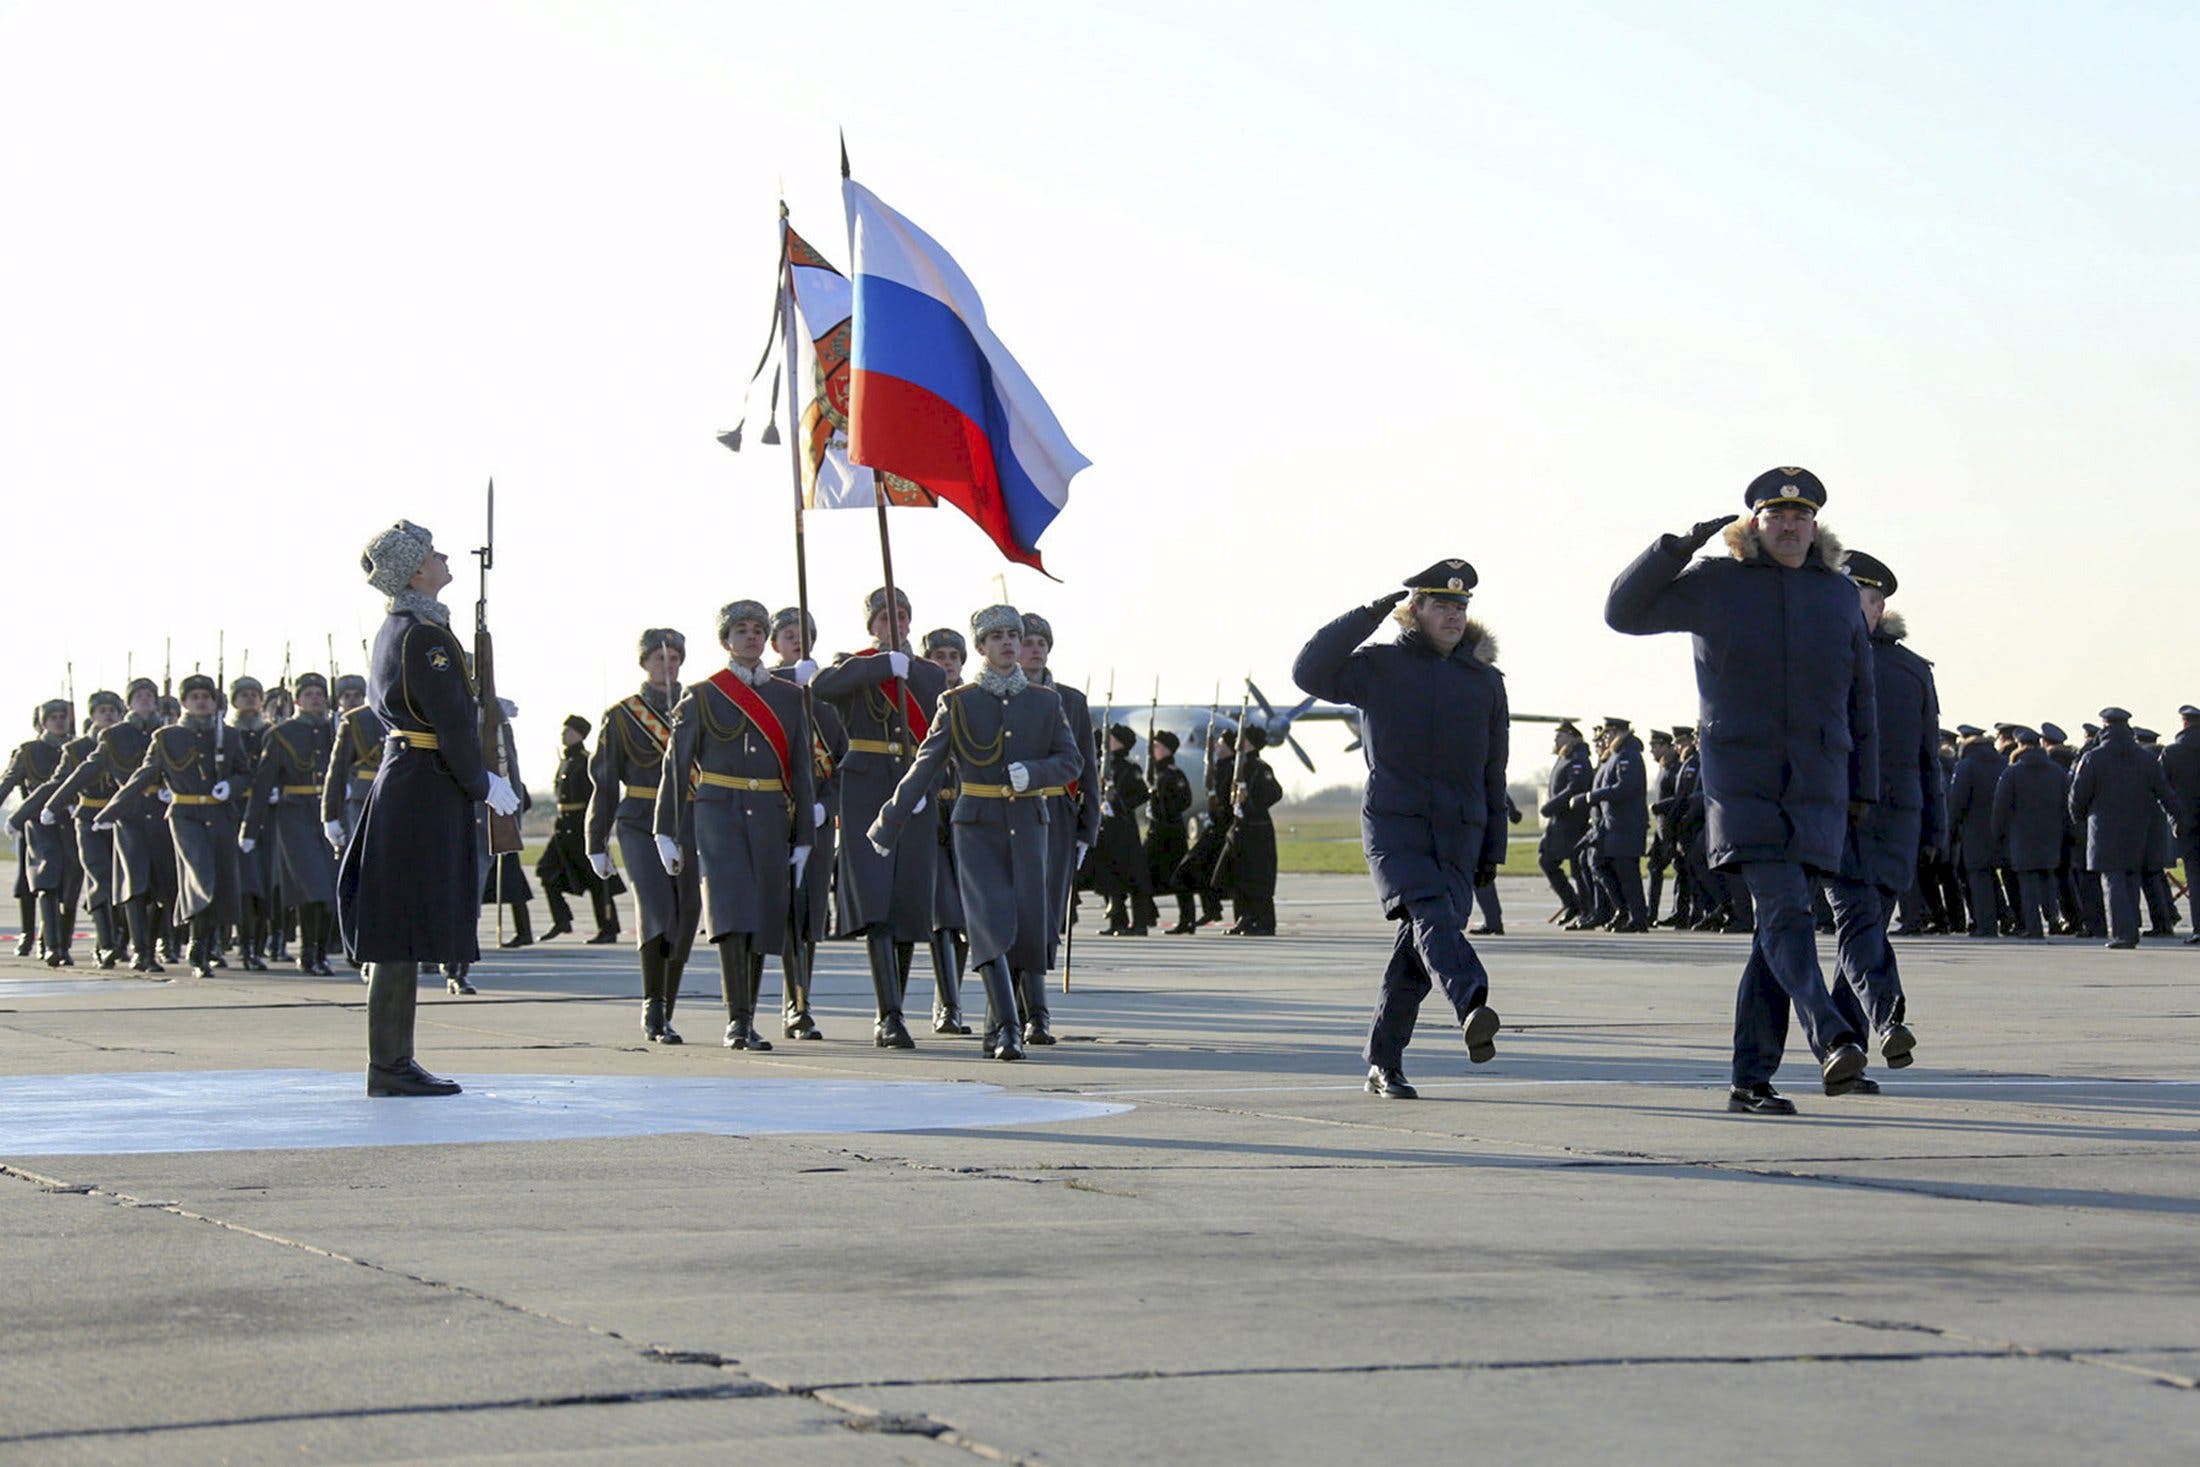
(936, 397)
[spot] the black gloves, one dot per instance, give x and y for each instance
(1701, 534)
(1382, 605)
(1928, 856)
(1485, 875)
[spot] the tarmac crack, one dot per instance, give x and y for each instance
(2099, 1359)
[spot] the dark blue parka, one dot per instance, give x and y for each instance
(1788, 726)
(2029, 810)
(1912, 812)
(1565, 823)
(2181, 762)
(1435, 732)
(2118, 789)
(1620, 803)
(408, 888)
(1971, 803)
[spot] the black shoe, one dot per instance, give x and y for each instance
(1480, 1031)
(891, 1033)
(608, 934)
(801, 1026)
(319, 967)
(1898, 1047)
(2160, 932)
(2121, 945)
(1759, 1100)
(106, 959)
(252, 964)
(1236, 929)
(1862, 1085)
(2193, 941)
(517, 939)
(741, 1034)
(669, 1035)
(653, 1020)
(147, 965)
(1486, 930)
(1037, 1032)
(200, 969)
(1185, 929)
(1132, 932)
(406, 1078)
(557, 929)
(456, 983)
(1843, 1063)
(26, 945)
(1391, 1084)
(949, 1024)
(1002, 1044)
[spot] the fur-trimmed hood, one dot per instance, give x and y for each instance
(1482, 640)
(1743, 543)
(1892, 627)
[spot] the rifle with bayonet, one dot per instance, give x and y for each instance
(504, 837)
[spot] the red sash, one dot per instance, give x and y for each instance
(759, 713)
(919, 725)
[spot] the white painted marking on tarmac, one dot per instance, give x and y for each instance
(73, 987)
(288, 1110)
(1996, 1082)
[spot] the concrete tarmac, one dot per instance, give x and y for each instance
(1573, 1254)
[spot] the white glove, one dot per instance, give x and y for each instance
(881, 847)
(334, 830)
(245, 843)
(103, 825)
(46, 815)
(899, 662)
(167, 795)
(803, 672)
(220, 791)
(274, 796)
(1019, 777)
(1107, 810)
(501, 797)
(668, 854)
(918, 807)
(817, 814)
(1082, 847)
(800, 861)
(1237, 811)
(600, 863)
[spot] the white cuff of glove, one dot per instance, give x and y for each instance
(1019, 777)
(1082, 848)
(668, 854)
(502, 798)
(1107, 810)
(918, 807)
(103, 825)
(220, 791)
(46, 816)
(167, 795)
(600, 863)
(881, 847)
(245, 843)
(803, 672)
(800, 861)
(334, 830)
(899, 662)
(817, 815)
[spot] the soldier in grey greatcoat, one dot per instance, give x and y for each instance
(740, 741)
(40, 866)
(885, 698)
(2116, 792)
(631, 739)
(284, 817)
(1790, 745)
(355, 752)
(54, 869)
(139, 855)
(794, 636)
(255, 868)
(948, 650)
(1009, 743)
(1074, 818)
(95, 849)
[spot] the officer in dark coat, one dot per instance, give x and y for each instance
(1119, 860)
(1619, 809)
(2161, 839)
(42, 867)
(948, 650)
(1010, 743)
(355, 753)
(2031, 806)
(1196, 872)
(45, 809)
(141, 859)
(794, 637)
(407, 889)
(1168, 840)
(1566, 821)
(257, 912)
(1889, 838)
(886, 698)
(1247, 868)
(1789, 727)
(737, 787)
(563, 869)
(2181, 765)
(1435, 729)
(623, 774)
(1971, 820)
(284, 817)
(1664, 770)
(2116, 792)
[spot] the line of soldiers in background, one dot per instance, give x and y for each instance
(2027, 855)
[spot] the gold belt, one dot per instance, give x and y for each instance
(196, 800)
(875, 746)
(572, 809)
(417, 740)
(641, 792)
(91, 802)
(735, 782)
(1004, 792)
(301, 789)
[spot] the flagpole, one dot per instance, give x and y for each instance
(794, 426)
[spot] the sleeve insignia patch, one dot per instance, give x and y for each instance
(439, 659)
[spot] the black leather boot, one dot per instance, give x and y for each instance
(607, 915)
(139, 915)
(454, 979)
(794, 1012)
(103, 935)
(251, 933)
(561, 913)
(886, 983)
(50, 928)
(653, 993)
(393, 994)
(1033, 988)
(947, 1015)
(523, 927)
(1003, 1039)
(675, 970)
(26, 914)
(202, 945)
(737, 982)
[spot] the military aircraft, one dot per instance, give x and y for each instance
(1197, 724)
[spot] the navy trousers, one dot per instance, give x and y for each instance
(2035, 903)
(1782, 971)
(2123, 905)
(1430, 945)
(1867, 988)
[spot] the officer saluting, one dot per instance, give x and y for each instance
(408, 889)
(1436, 729)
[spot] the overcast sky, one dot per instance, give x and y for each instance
(1323, 291)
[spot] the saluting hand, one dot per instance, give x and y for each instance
(1700, 535)
(1382, 605)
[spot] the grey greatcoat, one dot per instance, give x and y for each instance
(2029, 806)
(143, 860)
(188, 759)
(1073, 809)
(2117, 791)
(355, 752)
(51, 859)
(828, 748)
(86, 780)
(256, 867)
(1789, 718)
(875, 890)
(1002, 850)
(287, 793)
(630, 752)
(743, 837)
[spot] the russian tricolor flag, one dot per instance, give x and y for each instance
(936, 397)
